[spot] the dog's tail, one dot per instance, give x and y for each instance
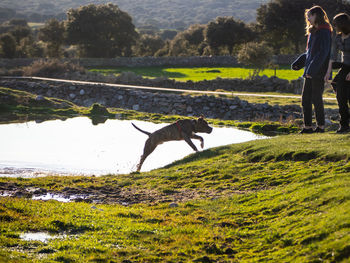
(137, 128)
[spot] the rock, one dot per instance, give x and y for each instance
(189, 109)
(173, 205)
(72, 96)
(39, 98)
(82, 92)
(72, 88)
(136, 107)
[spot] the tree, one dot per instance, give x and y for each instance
(282, 22)
(227, 32)
(168, 34)
(20, 32)
(256, 55)
(53, 34)
(8, 45)
(18, 22)
(101, 30)
(148, 45)
(188, 42)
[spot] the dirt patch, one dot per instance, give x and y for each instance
(113, 195)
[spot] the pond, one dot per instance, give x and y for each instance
(76, 146)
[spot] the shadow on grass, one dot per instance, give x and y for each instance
(199, 156)
(148, 72)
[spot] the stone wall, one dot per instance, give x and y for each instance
(166, 103)
(204, 61)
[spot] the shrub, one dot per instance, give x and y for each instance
(98, 109)
(51, 68)
(256, 55)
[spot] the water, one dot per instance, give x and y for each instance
(75, 146)
(39, 236)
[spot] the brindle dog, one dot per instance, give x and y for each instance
(180, 130)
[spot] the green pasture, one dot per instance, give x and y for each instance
(285, 199)
(202, 73)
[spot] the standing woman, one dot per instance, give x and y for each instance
(316, 58)
(341, 83)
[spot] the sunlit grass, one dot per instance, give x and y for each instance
(202, 73)
(285, 199)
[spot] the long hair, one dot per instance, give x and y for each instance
(342, 23)
(321, 19)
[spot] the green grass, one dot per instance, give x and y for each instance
(285, 199)
(202, 73)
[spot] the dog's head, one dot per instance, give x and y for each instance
(202, 126)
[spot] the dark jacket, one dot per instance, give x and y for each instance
(316, 59)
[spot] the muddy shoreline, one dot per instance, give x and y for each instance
(111, 195)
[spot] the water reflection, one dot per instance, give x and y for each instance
(75, 146)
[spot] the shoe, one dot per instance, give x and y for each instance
(304, 130)
(342, 130)
(319, 130)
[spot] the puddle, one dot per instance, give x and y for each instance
(49, 196)
(39, 236)
(76, 146)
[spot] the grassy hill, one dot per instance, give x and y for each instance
(285, 199)
(162, 13)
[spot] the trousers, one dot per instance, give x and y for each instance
(312, 95)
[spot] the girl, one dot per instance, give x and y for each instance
(341, 83)
(316, 60)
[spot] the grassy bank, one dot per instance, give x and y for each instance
(202, 73)
(285, 199)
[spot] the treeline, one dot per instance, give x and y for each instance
(107, 31)
(163, 14)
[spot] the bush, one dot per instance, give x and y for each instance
(51, 68)
(256, 55)
(98, 109)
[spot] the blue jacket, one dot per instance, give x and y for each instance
(318, 53)
(317, 56)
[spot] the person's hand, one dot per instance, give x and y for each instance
(348, 77)
(308, 77)
(327, 76)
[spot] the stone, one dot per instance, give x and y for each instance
(82, 92)
(39, 98)
(189, 109)
(72, 88)
(72, 96)
(136, 107)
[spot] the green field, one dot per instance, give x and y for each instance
(285, 199)
(202, 73)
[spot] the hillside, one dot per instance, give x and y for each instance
(162, 13)
(250, 202)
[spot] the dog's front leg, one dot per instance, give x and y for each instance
(195, 136)
(190, 143)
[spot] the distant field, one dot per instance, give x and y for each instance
(202, 73)
(36, 25)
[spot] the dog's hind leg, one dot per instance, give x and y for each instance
(148, 149)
